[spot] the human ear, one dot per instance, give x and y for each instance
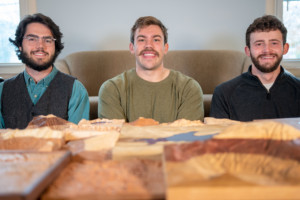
(166, 48)
(286, 47)
(131, 48)
(247, 51)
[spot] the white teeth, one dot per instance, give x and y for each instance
(39, 54)
(148, 54)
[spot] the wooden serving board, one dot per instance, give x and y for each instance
(234, 192)
(148, 141)
(208, 174)
(122, 179)
(25, 174)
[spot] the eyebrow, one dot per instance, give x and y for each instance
(32, 35)
(272, 40)
(275, 40)
(143, 36)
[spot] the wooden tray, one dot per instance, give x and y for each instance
(25, 174)
(231, 175)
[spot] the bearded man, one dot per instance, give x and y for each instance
(267, 90)
(40, 89)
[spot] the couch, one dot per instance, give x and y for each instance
(208, 67)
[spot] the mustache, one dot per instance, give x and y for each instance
(148, 49)
(39, 50)
(271, 54)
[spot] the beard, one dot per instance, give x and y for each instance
(25, 58)
(264, 67)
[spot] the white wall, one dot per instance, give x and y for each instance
(192, 24)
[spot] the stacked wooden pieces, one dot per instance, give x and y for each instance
(256, 160)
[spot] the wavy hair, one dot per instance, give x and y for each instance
(147, 21)
(42, 19)
(266, 23)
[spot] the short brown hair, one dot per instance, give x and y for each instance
(147, 21)
(266, 23)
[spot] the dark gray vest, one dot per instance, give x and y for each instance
(16, 105)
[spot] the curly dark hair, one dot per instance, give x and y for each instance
(147, 21)
(266, 23)
(37, 18)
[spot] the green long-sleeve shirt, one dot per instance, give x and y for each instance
(127, 96)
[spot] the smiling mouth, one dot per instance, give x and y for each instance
(149, 53)
(39, 53)
(266, 57)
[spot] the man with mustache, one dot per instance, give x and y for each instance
(40, 89)
(267, 90)
(150, 90)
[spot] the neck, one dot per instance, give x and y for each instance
(265, 78)
(38, 75)
(155, 75)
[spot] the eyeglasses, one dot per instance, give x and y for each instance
(34, 40)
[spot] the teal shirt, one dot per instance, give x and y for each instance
(79, 106)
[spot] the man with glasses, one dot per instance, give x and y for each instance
(40, 89)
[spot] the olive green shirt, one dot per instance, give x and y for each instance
(127, 96)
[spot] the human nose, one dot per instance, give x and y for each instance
(40, 42)
(149, 43)
(266, 48)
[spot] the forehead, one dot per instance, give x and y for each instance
(38, 29)
(150, 30)
(266, 35)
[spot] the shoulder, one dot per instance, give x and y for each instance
(79, 86)
(65, 76)
(231, 84)
(13, 81)
(14, 78)
(182, 78)
(119, 81)
(1, 88)
(291, 80)
(184, 83)
(289, 76)
(121, 78)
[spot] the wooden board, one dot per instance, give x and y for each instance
(233, 193)
(227, 187)
(206, 174)
(125, 179)
(24, 174)
(148, 141)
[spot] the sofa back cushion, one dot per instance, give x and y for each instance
(209, 68)
(92, 68)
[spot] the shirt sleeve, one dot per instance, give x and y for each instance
(2, 125)
(192, 107)
(218, 107)
(79, 105)
(109, 102)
